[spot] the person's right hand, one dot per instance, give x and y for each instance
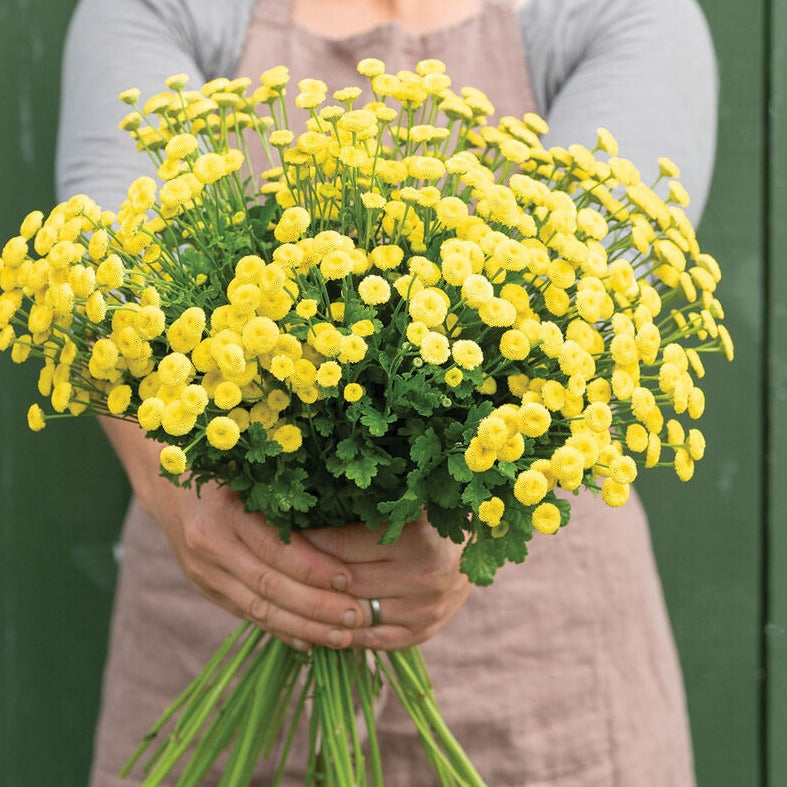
(294, 591)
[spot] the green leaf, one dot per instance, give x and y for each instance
(324, 425)
(449, 522)
(361, 470)
(458, 468)
(443, 489)
(475, 492)
(347, 449)
(483, 556)
(376, 422)
(400, 512)
(427, 449)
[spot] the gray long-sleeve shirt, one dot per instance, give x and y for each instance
(645, 69)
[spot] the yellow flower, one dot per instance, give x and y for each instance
(282, 367)
(683, 464)
(533, 419)
(467, 354)
(292, 224)
(149, 413)
(497, 313)
(352, 349)
(492, 432)
(434, 348)
(567, 463)
(598, 416)
(546, 518)
(175, 369)
(453, 377)
(386, 257)
(696, 404)
(530, 487)
(477, 289)
(173, 459)
(491, 511)
(374, 290)
(479, 457)
(35, 418)
(306, 308)
(260, 335)
(227, 395)
(428, 306)
(653, 453)
(370, 67)
(726, 342)
(328, 374)
(623, 470)
(289, 437)
(613, 493)
(336, 264)
(20, 351)
(119, 399)
(636, 438)
(222, 433)
(353, 392)
(695, 444)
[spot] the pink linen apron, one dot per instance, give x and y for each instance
(564, 672)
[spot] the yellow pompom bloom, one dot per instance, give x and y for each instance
(119, 399)
(260, 335)
(227, 395)
(374, 290)
(467, 354)
(328, 374)
(491, 511)
(292, 224)
(176, 419)
(175, 369)
(546, 518)
(282, 367)
(352, 349)
(514, 345)
(386, 257)
(453, 377)
(370, 67)
(289, 437)
(498, 313)
(35, 418)
(636, 438)
(530, 487)
(353, 392)
(110, 273)
(598, 416)
(623, 470)
(306, 308)
(492, 432)
(428, 306)
(222, 433)
(512, 449)
(336, 264)
(613, 493)
(695, 444)
(653, 453)
(567, 463)
(434, 348)
(479, 457)
(362, 328)
(683, 464)
(20, 350)
(150, 412)
(533, 419)
(173, 459)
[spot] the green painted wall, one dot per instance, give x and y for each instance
(59, 519)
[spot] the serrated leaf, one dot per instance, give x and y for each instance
(443, 489)
(427, 449)
(347, 449)
(361, 470)
(475, 492)
(376, 422)
(482, 557)
(399, 513)
(458, 468)
(449, 522)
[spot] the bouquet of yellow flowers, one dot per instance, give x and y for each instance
(413, 310)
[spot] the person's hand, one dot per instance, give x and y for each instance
(293, 591)
(417, 581)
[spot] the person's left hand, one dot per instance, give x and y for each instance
(417, 581)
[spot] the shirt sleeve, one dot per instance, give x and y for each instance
(113, 45)
(644, 69)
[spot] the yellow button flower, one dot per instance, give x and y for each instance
(491, 511)
(35, 418)
(172, 459)
(289, 437)
(353, 392)
(222, 433)
(546, 518)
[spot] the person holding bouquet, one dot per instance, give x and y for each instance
(562, 673)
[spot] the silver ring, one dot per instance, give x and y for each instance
(374, 603)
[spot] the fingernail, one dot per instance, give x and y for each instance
(349, 618)
(336, 637)
(339, 582)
